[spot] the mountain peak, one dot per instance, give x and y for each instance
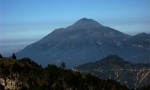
(113, 59)
(85, 23)
(84, 41)
(85, 20)
(141, 34)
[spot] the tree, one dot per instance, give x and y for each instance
(16, 67)
(63, 65)
(13, 56)
(5, 71)
(1, 56)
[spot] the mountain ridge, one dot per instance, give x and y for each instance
(116, 68)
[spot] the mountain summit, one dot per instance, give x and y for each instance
(84, 41)
(85, 23)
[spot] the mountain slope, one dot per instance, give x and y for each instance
(25, 74)
(114, 67)
(86, 40)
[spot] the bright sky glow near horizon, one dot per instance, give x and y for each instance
(23, 22)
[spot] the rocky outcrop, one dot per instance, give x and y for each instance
(11, 84)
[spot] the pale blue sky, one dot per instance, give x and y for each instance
(23, 22)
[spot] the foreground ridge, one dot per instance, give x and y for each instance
(25, 74)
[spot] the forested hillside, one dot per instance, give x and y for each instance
(24, 74)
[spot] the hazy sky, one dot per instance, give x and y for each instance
(23, 22)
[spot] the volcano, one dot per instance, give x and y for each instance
(87, 41)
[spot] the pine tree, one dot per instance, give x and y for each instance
(63, 65)
(1, 56)
(13, 56)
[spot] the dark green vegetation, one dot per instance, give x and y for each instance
(116, 68)
(24, 74)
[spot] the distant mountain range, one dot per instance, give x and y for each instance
(114, 67)
(85, 41)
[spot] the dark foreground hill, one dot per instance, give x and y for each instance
(114, 67)
(85, 41)
(25, 74)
